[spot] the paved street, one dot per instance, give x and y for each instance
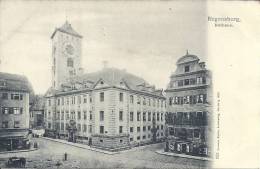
(51, 153)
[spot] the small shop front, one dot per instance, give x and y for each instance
(187, 147)
(14, 140)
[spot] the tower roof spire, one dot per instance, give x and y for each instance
(66, 28)
(187, 52)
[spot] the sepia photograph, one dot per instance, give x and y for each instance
(108, 84)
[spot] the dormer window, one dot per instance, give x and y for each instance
(102, 82)
(187, 68)
(2, 83)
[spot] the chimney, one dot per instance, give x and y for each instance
(105, 64)
(202, 65)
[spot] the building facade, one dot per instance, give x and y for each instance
(189, 107)
(109, 109)
(36, 112)
(14, 115)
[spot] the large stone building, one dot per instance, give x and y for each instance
(14, 115)
(189, 107)
(110, 109)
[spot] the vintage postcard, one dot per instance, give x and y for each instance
(129, 84)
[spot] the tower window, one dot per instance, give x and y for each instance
(70, 62)
(187, 68)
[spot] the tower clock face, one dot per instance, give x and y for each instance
(68, 49)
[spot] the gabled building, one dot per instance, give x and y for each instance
(189, 107)
(14, 111)
(110, 109)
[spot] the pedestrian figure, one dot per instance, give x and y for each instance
(23, 162)
(65, 157)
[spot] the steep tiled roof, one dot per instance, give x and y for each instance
(187, 58)
(66, 28)
(113, 77)
(14, 82)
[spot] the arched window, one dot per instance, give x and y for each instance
(70, 62)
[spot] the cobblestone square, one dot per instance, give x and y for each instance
(51, 155)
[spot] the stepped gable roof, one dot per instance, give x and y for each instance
(66, 28)
(14, 82)
(187, 58)
(113, 76)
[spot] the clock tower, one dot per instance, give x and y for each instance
(66, 54)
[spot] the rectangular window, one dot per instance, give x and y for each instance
(85, 115)
(144, 116)
(131, 116)
(120, 129)
(170, 101)
(79, 115)
(149, 116)
(121, 97)
(131, 129)
(131, 99)
(62, 115)
(62, 126)
(67, 115)
(84, 128)
(196, 133)
(138, 137)
(101, 115)
(131, 139)
(62, 101)
(79, 127)
(161, 116)
(187, 69)
(58, 102)
(204, 80)
(199, 80)
(144, 128)
(90, 128)
(138, 100)
(186, 82)
(144, 137)
(144, 101)
(90, 115)
(161, 127)
(101, 129)
(149, 128)
(138, 116)
(180, 83)
(193, 81)
(5, 124)
(49, 102)
(58, 115)
(85, 99)
(158, 116)
(121, 115)
(101, 96)
(17, 110)
(79, 99)
(138, 129)
(4, 96)
(16, 96)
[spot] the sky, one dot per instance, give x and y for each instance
(144, 37)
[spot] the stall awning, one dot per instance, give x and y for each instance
(13, 134)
